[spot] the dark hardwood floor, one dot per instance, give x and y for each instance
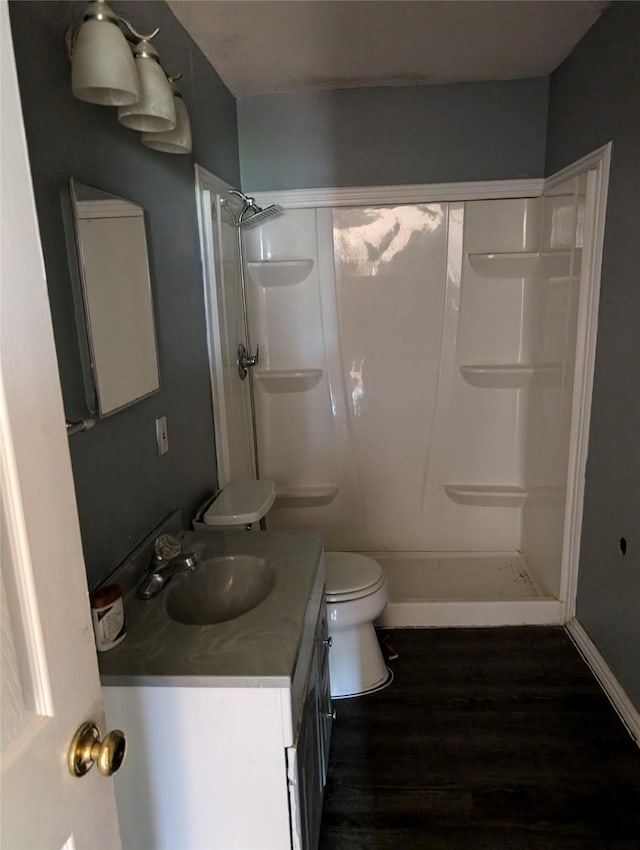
(488, 739)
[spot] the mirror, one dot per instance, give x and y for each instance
(113, 300)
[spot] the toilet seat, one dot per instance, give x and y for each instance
(350, 576)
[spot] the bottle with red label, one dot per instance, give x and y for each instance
(107, 613)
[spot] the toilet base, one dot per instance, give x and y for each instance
(356, 663)
(381, 687)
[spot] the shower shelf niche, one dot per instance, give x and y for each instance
(270, 273)
(288, 380)
(301, 495)
(497, 377)
(519, 264)
(510, 376)
(505, 265)
(489, 495)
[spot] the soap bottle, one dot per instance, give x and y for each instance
(107, 613)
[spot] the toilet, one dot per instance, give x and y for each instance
(355, 588)
(356, 593)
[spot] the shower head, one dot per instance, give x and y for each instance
(258, 215)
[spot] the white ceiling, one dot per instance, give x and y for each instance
(267, 46)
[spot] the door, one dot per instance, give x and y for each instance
(225, 330)
(50, 682)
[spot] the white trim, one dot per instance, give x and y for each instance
(618, 697)
(403, 194)
(206, 180)
(207, 185)
(445, 614)
(593, 160)
(108, 208)
(596, 165)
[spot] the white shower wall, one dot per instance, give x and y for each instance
(407, 396)
(390, 281)
(553, 320)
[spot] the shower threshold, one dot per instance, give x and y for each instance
(429, 590)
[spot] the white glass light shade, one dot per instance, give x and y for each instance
(102, 67)
(154, 112)
(177, 140)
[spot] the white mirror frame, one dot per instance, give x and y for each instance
(113, 300)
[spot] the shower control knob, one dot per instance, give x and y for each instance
(328, 642)
(331, 715)
(246, 360)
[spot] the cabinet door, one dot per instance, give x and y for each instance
(305, 788)
(307, 761)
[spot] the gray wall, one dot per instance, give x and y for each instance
(595, 98)
(123, 488)
(386, 136)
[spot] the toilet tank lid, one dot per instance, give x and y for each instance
(240, 503)
(349, 571)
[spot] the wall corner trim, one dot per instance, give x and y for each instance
(618, 697)
(417, 193)
(596, 166)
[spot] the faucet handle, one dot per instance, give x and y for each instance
(154, 581)
(150, 586)
(165, 548)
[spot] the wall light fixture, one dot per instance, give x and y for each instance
(103, 70)
(154, 112)
(177, 140)
(114, 65)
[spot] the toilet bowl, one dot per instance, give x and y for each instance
(356, 593)
(355, 588)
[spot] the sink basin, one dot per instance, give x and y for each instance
(219, 589)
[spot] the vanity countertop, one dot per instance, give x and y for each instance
(258, 649)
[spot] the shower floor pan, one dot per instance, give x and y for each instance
(429, 590)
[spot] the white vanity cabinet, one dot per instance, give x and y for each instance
(227, 762)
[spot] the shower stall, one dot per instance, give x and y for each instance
(414, 394)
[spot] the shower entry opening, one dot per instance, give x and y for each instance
(423, 386)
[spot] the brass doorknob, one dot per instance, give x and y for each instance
(87, 749)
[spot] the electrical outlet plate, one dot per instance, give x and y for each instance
(162, 437)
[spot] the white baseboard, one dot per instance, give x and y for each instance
(442, 614)
(627, 711)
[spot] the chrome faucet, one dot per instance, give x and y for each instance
(155, 581)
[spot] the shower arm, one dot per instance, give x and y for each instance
(249, 203)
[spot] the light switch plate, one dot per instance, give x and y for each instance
(162, 437)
